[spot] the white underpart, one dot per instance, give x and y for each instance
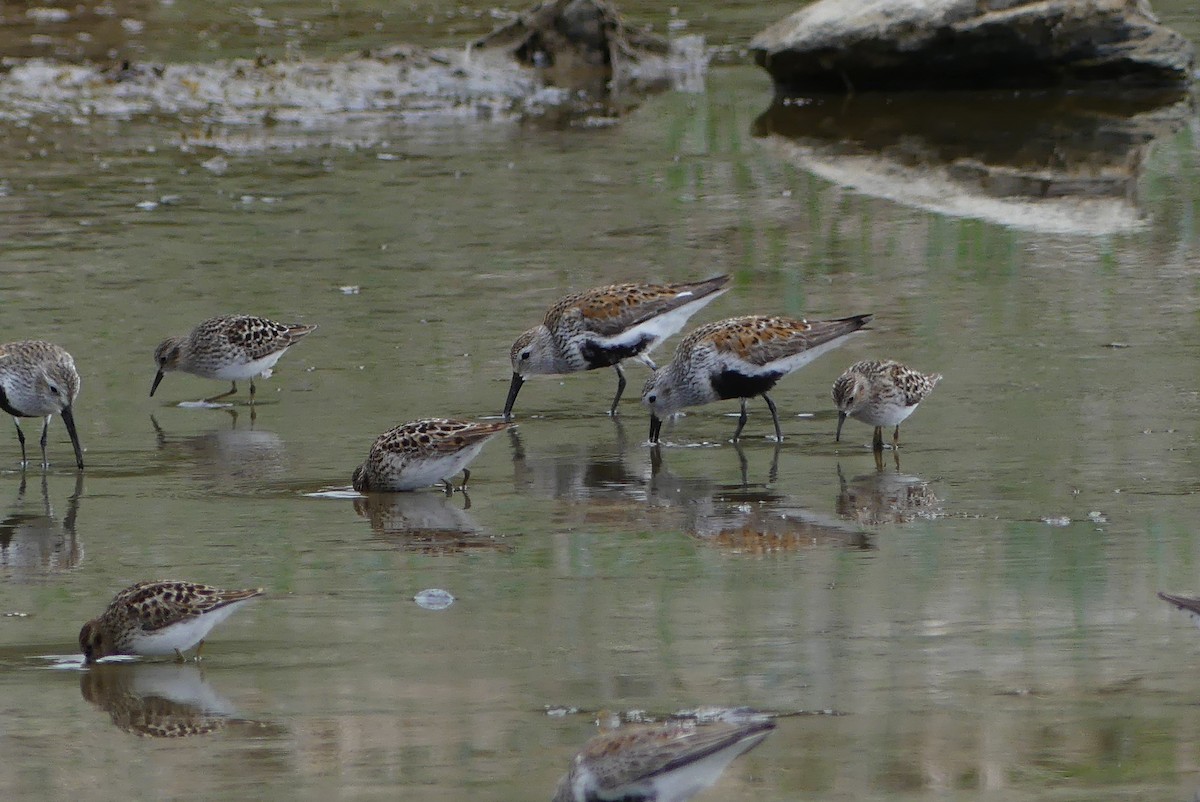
(893, 415)
(182, 635)
(675, 786)
(426, 471)
(664, 325)
(248, 370)
(787, 364)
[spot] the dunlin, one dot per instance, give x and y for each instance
(159, 618)
(230, 348)
(601, 327)
(38, 380)
(740, 358)
(668, 763)
(1188, 604)
(423, 453)
(880, 393)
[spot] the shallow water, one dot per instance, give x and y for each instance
(981, 616)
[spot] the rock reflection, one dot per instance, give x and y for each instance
(1067, 163)
(747, 518)
(233, 457)
(33, 540)
(885, 497)
(426, 522)
(162, 700)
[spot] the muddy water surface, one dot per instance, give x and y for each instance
(981, 615)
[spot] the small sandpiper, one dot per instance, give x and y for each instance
(740, 358)
(422, 453)
(1189, 604)
(880, 393)
(158, 618)
(665, 763)
(38, 380)
(229, 348)
(600, 327)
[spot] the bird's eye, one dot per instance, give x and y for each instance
(54, 389)
(651, 398)
(525, 355)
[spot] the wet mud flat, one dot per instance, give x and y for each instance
(554, 59)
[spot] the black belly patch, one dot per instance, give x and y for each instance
(599, 356)
(731, 384)
(4, 405)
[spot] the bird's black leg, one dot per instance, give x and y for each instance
(877, 443)
(741, 421)
(466, 478)
(21, 437)
(774, 418)
(620, 388)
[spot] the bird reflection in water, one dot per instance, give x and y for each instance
(163, 700)
(747, 518)
(238, 456)
(885, 497)
(426, 522)
(32, 539)
(661, 763)
(578, 472)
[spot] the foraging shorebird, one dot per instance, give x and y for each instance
(38, 380)
(230, 348)
(601, 327)
(740, 358)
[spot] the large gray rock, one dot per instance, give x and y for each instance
(854, 45)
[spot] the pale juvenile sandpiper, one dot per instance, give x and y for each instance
(880, 393)
(229, 348)
(38, 380)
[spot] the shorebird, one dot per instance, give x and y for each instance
(740, 358)
(880, 393)
(601, 327)
(38, 380)
(159, 618)
(230, 348)
(422, 453)
(666, 763)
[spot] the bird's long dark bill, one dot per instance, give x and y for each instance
(837, 438)
(157, 379)
(69, 419)
(655, 427)
(513, 389)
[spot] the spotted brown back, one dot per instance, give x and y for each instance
(610, 310)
